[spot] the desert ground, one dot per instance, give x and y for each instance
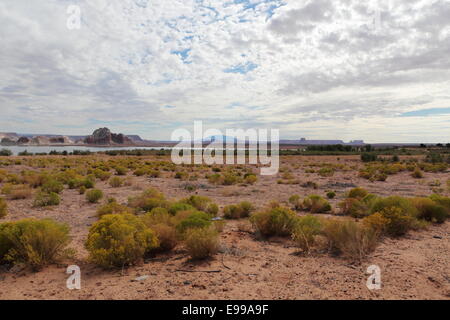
(414, 266)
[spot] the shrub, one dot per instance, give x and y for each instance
(115, 182)
(296, 202)
(238, 211)
(179, 206)
(316, 204)
(44, 199)
(148, 200)
(430, 210)
(443, 201)
(94, 195)
(198, 202)
(112, 207)
(417, 173)
(192, 219)
(331, 195)
(399, 222)
(357, 193)
(275, 221)
(161, 222)
(34, 242)
(119, 240)
(82, 190)
(403, 204)
(305, 232)
(202, 243)
(167, 237)
(250, 179)
(377, 222)
(19, 192)
(350, 239)
(369, 157)
(354, 207)
(3, 208)
(121, 171)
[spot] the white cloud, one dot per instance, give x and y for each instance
(315, 64)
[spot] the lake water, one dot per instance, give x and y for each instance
(46, 149)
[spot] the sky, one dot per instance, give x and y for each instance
(321, 69)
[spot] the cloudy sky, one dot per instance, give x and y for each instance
(320, 69)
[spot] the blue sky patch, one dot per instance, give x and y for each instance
(426, 112)
(242, 68)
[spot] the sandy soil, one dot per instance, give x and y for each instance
(413, 267)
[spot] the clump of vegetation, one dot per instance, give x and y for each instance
(417, 173)
(357, 193)
(331, 194)
(3, 208)
(119, 240)
(306, 230)
(94, 195)
(112, 207)
(202, 243)
(202, 203)
(274, 221)
(397, 222)
(429, 210)
(17, 192)
(316, 204)
(52, 186)
(191, 219)
(296, 202)
(148, 200)
(162, 223)
(238, 211)
(45, 199)
(116, 182)
(35, 243)
(350, 239)
(121, 171)
(250, 178)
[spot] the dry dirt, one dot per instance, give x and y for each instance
(413, 267)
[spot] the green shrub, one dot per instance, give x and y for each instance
(316, 204)
(350, 239)
(399, 222)
(119, 240)
(331, 195)
(112, 207)
(34, 242)
(94, 195)
(430, 210)
(148, 200)
(44, 199)
(52, 186)
(354, 207)
(357, 193)
(212, 209)
(250, 178)
(202, 243)
(403, 204)
(3, 208)
(305, 232)
(443, 201)
(274, 221)
(198, 202)
(193, 219)
(296, 202)
(179, 206)
(238, 211)
(116, 182)
(417, 173)
(121, 171)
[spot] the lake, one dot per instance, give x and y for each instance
(46, 149)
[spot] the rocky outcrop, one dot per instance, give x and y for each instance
(6, 141)
(104, 136)
(23, 140)
(61, 140)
